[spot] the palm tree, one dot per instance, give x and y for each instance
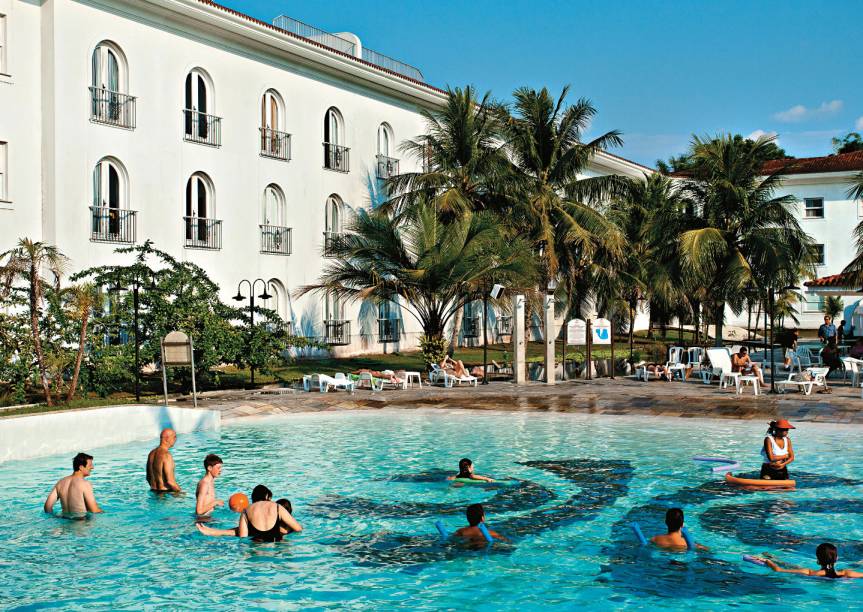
(25, 263)
(463, 164)
(833, 306)
(740, 233)
(433, 266)
(80, 302)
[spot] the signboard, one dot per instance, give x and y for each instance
(576, 332)
(600, 331)
(177, 349)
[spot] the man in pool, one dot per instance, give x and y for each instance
(475, 516)
(465, 470)
(75, 494)
(673, 540)
(160, 464)
(205, 494)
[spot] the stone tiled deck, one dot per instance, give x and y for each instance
(623, 396)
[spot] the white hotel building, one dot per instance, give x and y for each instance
(227, 141)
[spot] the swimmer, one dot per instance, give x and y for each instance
(827, 556)
(476, 515)
(75, 494)
(465, 470)
(777, 451)
(205, 494)
(160, 464)
(673, 540)
(263, 511)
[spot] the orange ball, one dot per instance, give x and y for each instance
(238, 502)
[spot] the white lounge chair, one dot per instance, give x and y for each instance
(322, 382)
(720, 362)
(852, 366)
(675, 365)
(438, 375)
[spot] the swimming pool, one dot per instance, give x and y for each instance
(363, 487)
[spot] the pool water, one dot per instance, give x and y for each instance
(366, 488)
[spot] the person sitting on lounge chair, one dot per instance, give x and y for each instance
(741, 362)
(453, 367)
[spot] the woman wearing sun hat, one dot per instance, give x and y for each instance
(777, 451)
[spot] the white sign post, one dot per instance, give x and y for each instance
(177, 351)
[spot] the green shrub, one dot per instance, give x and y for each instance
(432, 349)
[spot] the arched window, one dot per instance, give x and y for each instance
(387, 165)
(112, 221)
(335, 153)
(333, 308)
(274, 141)
(274, 206)
(275, 236)
(385, 140)
(333, 223)
(200, 210)
(199, 105)
(278, 301)
(109, 81)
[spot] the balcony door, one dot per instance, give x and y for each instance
(106, 198)
(198, 208)
(384, 141)
(333, 308)
(106, 69)
(197, 101)
(333, 221)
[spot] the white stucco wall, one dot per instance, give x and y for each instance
(75, 431)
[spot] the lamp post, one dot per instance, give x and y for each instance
(239, 298)
(771, 300)
(136, 287)
(485, 335)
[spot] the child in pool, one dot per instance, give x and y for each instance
(674, 539)
(827, 556)
(465, 470)
(475, 516)
(777, 451)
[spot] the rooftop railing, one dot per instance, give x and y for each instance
(385, 61)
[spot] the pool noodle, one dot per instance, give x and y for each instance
(730, 464)
(690, 543)
(636, 529)
(484, 530)
(444, 534)
(755, 560)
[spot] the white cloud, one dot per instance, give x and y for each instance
(759, 133)
(799, 112)
(859, 124)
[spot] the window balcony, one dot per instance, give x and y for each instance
(504, 325)
(202, 233)
(333, 243)
(389, 330)
(202, 128)
(337, 157)
(387, 167)
(275, 144)
(112, 108)
(275, 240)
(471, 327)
(337, 332)
(112, 225)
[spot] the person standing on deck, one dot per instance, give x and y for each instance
(827, 330)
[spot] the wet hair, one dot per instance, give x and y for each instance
(261, 493)
(474, 514)
(674, 519)
(286, 504)
(211, 460)
(463, 466)
(80, 461)
(827, 555)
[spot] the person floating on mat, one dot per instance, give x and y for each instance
(674, 539)
(827, 555)
(465, 470)
(777, 451)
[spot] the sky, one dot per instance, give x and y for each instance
(657, 71)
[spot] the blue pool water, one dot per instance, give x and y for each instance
(363, 486)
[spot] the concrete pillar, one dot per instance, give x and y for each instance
(519, 369)
(550, 332)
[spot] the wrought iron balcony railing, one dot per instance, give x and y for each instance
(504, 325)
(337, 157)
(275, 144)
(112, 224)
(333, 243)
(112, 108)
(275, 240)
(471, 327)
(389, 330)
(202, 233)
(337, 332)
(387, 166)
(202, 128)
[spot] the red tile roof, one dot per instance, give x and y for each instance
(834, 280)
(808, 165)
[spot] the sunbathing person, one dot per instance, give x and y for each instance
(454, 367)
(674, 539)
(74, 493)
(742, 362)
(476, 515)
(661, 371)
(387, 375)
(827, 555)
(263, 511)
(465, 470)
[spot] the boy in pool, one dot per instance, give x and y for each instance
(827, 555)
(674, 538)
(475, 516)
(465, 470)
(205, 494)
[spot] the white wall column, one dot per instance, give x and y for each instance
(518, 341)
(550, 331)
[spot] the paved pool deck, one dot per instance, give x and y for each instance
(622, 396)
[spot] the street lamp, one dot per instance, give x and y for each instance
(771, 294)
(239, 298)
(137, 284)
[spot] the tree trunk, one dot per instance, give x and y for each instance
(696, 317)
(719, 318)
(35, 295)
(80, 357)
(456, 330)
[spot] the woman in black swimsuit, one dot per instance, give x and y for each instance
(263, 511)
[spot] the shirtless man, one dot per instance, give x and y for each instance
(205, 494)
(75, 493)
(160, 464)
(674, 539)
(475, 516)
